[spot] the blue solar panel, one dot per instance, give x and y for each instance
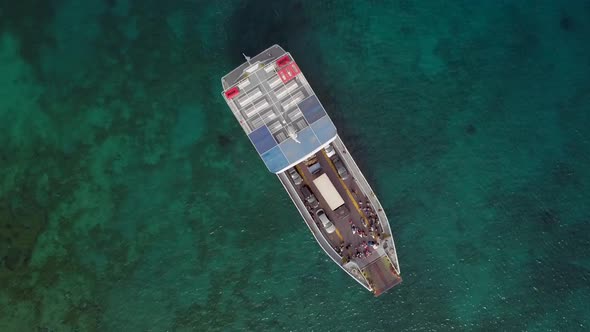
(324, 129)
(311, 109)
(262, 139)
(275, 160)
(307, 143)
(277, 157)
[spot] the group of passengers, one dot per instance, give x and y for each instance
(360, 251)
(358, 230)
(364, 248)
(372, 218)
(371, 230)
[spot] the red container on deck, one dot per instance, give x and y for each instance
(284, 60)
(232, 93)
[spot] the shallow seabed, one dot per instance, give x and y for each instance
(130, 199)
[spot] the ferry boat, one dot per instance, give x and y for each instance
(296, 139)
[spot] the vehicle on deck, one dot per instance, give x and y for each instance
(329, 151)
(309, 196)
(328, 192)
(297, 180)
(313, 165)
(328, 225)
(342, 171)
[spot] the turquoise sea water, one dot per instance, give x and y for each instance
(130, 199)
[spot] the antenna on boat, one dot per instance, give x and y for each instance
(246, 57)
(292, 133)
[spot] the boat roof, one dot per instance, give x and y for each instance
(277, 109)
